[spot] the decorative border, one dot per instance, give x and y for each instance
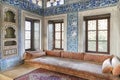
(74, 7)
(25, 5)
(79, 6)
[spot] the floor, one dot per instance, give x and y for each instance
(16, 72)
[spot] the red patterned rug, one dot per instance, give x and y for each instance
(42, 74)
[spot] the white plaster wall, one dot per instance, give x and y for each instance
(118, 13)
(45, 31)
(27, 14)
(114, 28)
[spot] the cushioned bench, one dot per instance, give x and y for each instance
(82, 65)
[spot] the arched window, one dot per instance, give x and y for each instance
(38, 2)
(50, 3)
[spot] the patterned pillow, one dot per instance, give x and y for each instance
(116, 66)
(107, 66)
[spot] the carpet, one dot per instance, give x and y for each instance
(42, 74)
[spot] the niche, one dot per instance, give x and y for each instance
(10, 43)
(9, 16)
(10, 33)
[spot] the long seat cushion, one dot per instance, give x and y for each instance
(68, 63)
(72, 66)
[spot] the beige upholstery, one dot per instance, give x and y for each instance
(53, 53)
(33, 54)
(95, 57)
(72, 55)
(69, 63)
(90, 70)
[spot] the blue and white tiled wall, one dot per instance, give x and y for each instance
(80, 6)
(25, 5)
(72, 32)
(6, 63)
(15, 60)
(71, 10)
(73, 1)
(72, 15)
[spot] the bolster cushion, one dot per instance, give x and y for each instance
(116, 66)
(33, 54)
(107, 66)
(72, 55)
(95, 57)
(53, 53)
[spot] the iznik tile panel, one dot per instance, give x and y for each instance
(80, 6)
(72, 32)
(26, 5)
(74, 1)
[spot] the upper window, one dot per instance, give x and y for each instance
(97, 33)
(38, 2)
(32, 34)
(51, 3)
(58, 34)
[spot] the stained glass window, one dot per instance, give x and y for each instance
(51, 3)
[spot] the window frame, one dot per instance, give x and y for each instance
(98, 17)
(61, 32)
(32, 47)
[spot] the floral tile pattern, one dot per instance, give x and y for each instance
(3, 64)
(26, 5)
(71, 10)
(80, 6)
(9, 62)
(72, 32)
